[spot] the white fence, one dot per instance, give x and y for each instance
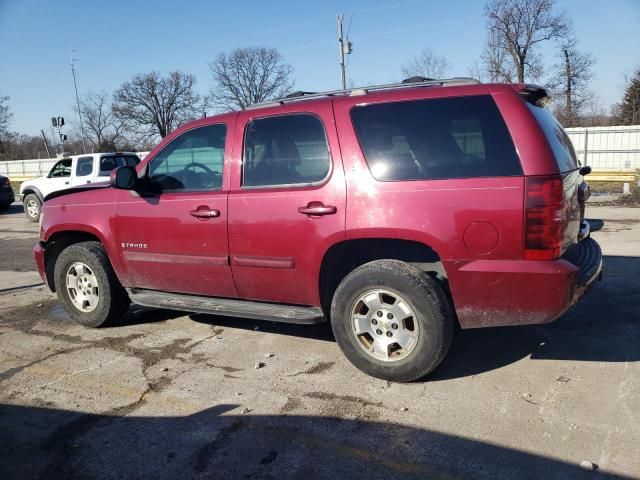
(607, 148)
(23, 169)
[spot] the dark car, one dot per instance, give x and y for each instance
(7, 196)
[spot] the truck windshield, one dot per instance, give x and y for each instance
(557, 138)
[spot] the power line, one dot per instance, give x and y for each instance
(386, 32)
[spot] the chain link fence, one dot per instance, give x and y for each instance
(607, 148)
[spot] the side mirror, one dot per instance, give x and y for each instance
(586, 170)
(124, 178)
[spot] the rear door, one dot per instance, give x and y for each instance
(175, 238)
(565, 157)
(287, 202)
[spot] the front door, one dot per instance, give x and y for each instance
(287, 202)
(175, 239)
(59, 177)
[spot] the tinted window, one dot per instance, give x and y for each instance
(109, 162)
(61, 169)
(557, 138)
(192, 161)
(435, 139)
(84, 166)
(285, 150)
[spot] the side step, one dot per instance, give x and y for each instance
(274, 312)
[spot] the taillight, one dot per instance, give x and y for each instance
(544, 219)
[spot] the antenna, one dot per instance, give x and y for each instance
(75, 86)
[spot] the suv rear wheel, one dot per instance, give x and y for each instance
(392, 321)
(87, 285)
(32, 207)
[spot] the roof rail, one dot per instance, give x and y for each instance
(408, 83)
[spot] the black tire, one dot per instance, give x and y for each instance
(113, 299)
(428, 302)
(4, 207)
(32, 197)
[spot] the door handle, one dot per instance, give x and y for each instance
(315, 208)
(204, 212)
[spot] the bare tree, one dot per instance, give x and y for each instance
(426, 64)
(101, 126)
(570, 82)
(249, 75)
(517, 27)
(497, 61)
(150, 105)
(5, 116)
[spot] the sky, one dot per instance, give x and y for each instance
(117, 39)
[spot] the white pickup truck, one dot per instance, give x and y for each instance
(70, 172)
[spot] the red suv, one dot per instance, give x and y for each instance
(395, 212)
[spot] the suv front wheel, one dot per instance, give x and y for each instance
(392, 321)
(87, 285)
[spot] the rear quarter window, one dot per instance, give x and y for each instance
(443, 138)
(109, 162)
(558, 140)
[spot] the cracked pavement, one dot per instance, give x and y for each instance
(169, 395)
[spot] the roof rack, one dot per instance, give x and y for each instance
(412, 82)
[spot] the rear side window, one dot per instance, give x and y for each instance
(84, 166)
(435, 139)
(285, 150)
(109, 162)
(557, 138)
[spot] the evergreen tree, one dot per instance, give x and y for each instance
(630, 107)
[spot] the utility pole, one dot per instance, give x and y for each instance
(75, 86)
(345, 47)
(46, 145)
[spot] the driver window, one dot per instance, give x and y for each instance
(61, 169)
(192, 161)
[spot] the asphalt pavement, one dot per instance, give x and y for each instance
(171, 395)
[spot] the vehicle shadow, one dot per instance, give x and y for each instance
(319, 331)
(14, 209)
(602, 327)
(218, 442)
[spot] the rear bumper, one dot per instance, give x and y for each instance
(38, 253)
(587, 256)
(7, 196)
(520, 292)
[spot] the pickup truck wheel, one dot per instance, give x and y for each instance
(88, 287)
(32, 207)
(392, 321)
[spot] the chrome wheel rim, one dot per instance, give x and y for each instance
(384, 325)
(32, 208)
(82, 287)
